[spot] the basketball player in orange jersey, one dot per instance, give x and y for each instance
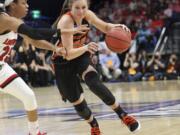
(10, 83)
(76, 64)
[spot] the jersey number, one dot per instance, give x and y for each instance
(6, 53)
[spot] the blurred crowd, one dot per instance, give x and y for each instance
(136, 66)
(32, 64)
(145, 18)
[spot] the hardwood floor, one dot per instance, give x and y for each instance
(155, 104)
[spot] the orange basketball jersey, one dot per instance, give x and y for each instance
(78, 39)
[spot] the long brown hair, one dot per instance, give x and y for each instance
(65, 8)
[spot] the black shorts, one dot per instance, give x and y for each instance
(67, 76)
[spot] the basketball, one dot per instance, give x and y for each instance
(118, 40)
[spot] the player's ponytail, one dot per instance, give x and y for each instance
(64, 10)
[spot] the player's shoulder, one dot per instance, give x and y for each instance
(4, 21)
(5, 18)
(66, 20)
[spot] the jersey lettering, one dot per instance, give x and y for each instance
(5, 54)
(10, 42)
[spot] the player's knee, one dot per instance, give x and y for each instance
(83, 110)
(30, 101)
(93, 82)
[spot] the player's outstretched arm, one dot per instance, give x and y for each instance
(17, 25)
(102, 25)
(43, 44)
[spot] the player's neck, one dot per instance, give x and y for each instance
(77, 19)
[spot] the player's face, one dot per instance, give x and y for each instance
(79, 8)
(21, 8)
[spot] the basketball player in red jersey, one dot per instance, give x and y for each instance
(76, 64)
(10, 25)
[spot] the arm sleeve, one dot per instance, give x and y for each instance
(38, 33)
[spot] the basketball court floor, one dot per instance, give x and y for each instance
(155, 104)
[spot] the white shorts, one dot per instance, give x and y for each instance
(7, 74)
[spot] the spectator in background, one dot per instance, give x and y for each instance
(28, 54)
(33, 66)
(157, 24)
(172, 12)
(132, 66)
(110, 64)
(145, 38)
(171, 69)
(155, 67)
(142, 60)
(133, 5)
(21, 65)
(171, 15)
(45, 73)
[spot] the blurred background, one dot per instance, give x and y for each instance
(154, 53)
